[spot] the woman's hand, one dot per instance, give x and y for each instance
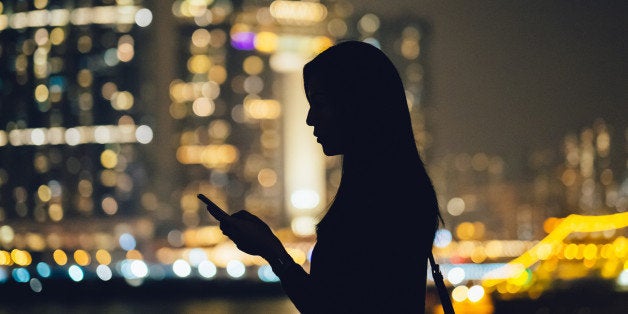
(251, 235)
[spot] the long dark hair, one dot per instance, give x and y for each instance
(381, 165)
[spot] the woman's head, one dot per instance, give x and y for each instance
(357, 100)
(358, 109)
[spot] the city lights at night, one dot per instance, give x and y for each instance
(116, 114)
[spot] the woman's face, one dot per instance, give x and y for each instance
(324, 116)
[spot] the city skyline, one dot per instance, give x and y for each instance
(511, 77)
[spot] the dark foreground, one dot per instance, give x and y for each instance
(231, 297)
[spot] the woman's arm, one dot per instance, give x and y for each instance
(253, 236)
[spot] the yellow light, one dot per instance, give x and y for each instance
(109, 205)
(203, 107)
(465, 231)
(189, 202)
(41, 93)
(82, 257)
(57, 36)
(217, 74)
(211, 156)
(133, 254)
(5, 258)
(298, 12)
(44, 193)
(22, 258)
(85, 78)
(125, 52)
(610, 269)
(109, 159)
(262, 108)
(297, 255)
(571, 251)
(122, 100)
(621, 247)
(590, 251)
(201, 38)
(103, 257)
(460, 293)
(40, 4)
(267, 177)
(321, 43)
(199, 64)
(253, 65)
(266, 42)
(55, 211)
(571, 224)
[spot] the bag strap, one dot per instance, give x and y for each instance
(445, 301)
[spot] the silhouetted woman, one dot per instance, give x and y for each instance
(373, 242)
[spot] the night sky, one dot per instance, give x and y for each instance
(509, 77)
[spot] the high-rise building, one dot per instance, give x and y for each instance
(73, 169)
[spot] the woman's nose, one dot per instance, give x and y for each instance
(309, 120)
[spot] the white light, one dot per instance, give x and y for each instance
(235, 269)
(72, 136)
(143, 17)
(442, 238)
(475, 293)
(76, 273)
(304, 199)
(139, 269)
(127, 242)
(35, 285)
(286, 62)
(102, 134)
(104, 272)
(207, 269)
(622, 280)
(303, 226)
(455, 275)
(59, 17)
(38, 137)
(196, 256)
(144, 134)
(181, 268)
(455, 206)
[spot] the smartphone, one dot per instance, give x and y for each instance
(213, 209)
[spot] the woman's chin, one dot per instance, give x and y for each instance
(331, 151)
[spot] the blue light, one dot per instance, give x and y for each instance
(3, 275)
(21, 275)
(127, 242)
(266, 274)
(58, 81)
(43, 269)
(374, 42)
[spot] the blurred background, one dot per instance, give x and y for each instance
(114, 114)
